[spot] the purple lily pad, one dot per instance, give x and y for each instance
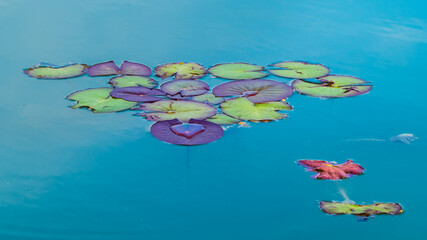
(195, 132)
(185, 87)
(138, 94)
(257, 91)
(127, 68)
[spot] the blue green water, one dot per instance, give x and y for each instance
(70, 174)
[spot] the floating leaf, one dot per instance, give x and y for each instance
(185, 87)
(138, 94)
(301, 70)
(127, 68)
(132, 81)
(195, 132)
(222, 119)
(99, 100)
(237, 71)
(180, 70)
(333, 86)
(61, 72)
(182, 110)
(331, 171)
(339, 208)
(242, 108)
(257, 91)
(208, 98)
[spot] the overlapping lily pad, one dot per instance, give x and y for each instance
(195, 132)
(61, 72)
(257, 91)
(209, 98)
(242, 108)
(339, 208)
(127, 68)
(222, 119)
(180, 70)
(300, 70)
(333, 86)
(185, 88)
(99, 100)
(132, 81)
(237, 71)
(138, 94)
(330, 171)
(182, 110)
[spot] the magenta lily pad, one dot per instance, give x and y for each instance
(257, 91)
(182, 110)
(300, 70)
(340, 208)
(195, 132)
(237, 71)
(209, 98)
(127, 68)
(185, 87)
(333, 86)
(138, 94)
(132, 81)
(180, 70)
(54, 72)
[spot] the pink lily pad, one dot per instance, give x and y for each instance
(330, 171)
(127, 68)
(138, 94)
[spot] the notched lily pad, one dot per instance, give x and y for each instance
(99, 100)
(195, 132)
(182, 110)
(257, 91)
(333, 86)
(138, 94)
(300, 70)
(209, 98)
(127, 68)
(185, 88)
(331, 171)
(180, 70)
(339, 208)
(132, 81)
(237, 71)
(60, 72)
(222, 119)
(242, 108)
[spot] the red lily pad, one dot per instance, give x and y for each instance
(138, 94)
(185, 87)
(330, 171)
(127, 68)
(180, 70)
(195, 132)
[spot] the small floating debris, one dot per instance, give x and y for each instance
(404, 137)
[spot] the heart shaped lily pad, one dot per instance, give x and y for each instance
(257, 91)
(62, 72)
(242, 108)
(132, 81)
(99, 100)
(185, 87)
(209, 98)
(333, 86)
(182, 110)
(127, 68)
(300, 70)
(237, 71)
(195, 132)
(180, 70)
(222, 119)
(138, 94)
(339, 208)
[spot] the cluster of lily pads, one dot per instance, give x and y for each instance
(187, 111)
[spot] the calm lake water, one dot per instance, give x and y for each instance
(70, 174)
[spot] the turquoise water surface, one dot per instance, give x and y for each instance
(70, 174)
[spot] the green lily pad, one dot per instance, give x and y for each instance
(132, 81)
(333, 86)
(244, 109)
(222, 119)
(339, 208)
(182, 110)
(300, 70)
(208, 98)
(61, 72)
(99, 100)
(180, 70)
(237, 71)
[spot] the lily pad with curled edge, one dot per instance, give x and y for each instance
(242, 108)
(61, 72)
(333, 86)
(185, 87)
(300, 70)
(257, 91)
(138, 94)
(180, 70)
(132, 81)
(195, 132)
(99, 100)
(182, 110)
(237, 71)
(127, 68)
(340, 208)
(222, 119)
(209, 98)
(331, 171)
